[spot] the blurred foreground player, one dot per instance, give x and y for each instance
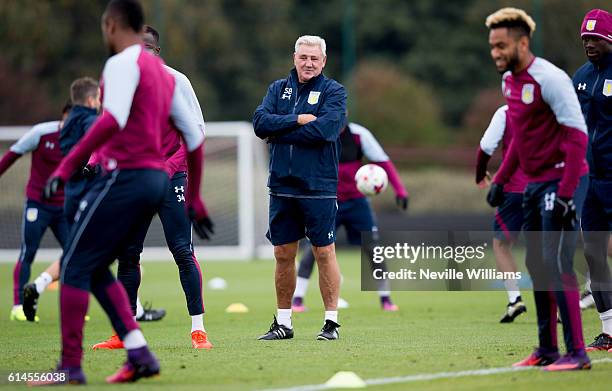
(175, 222)
(509, 215)
(593, 84)
(85, 98)
(354, 210)
(549, 144)
(301, 117)
(139, 101)
(43, 141)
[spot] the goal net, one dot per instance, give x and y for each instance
(233, 187)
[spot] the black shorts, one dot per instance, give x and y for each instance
(509, 217)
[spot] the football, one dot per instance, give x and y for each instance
(371, 179)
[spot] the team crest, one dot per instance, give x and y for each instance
(31, 214)
(590, 25)
(313, 97)
(607, 87)
(527, 93)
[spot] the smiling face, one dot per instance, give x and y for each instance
(309, 62)
(505, 49)
(595, 48)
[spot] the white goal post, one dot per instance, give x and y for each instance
(234, 190)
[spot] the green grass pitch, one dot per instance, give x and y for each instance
(433, 332)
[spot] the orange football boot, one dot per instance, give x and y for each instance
(199, 340)
(112, 343)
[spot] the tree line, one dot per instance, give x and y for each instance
(418, 72)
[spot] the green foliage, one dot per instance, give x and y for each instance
(438, 191)
(232, 49)
(45, 45)
(395, 106)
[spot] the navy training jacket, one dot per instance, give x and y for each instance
(77, 123)
(79, 120)
(593, 84)
(303, 159)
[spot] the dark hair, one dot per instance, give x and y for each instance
(516, 27)
(67, 107)
(150, 30)
(128, 12)
(81, 89)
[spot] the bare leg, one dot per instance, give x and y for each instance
(503, 256)
(329, 275)
(54, 270)
(505, 263)
(285, 273)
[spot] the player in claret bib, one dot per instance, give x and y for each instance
(509, 215)
(139, 100)
(85, 100)
(39, 214)
(549, 145)
(176, 224)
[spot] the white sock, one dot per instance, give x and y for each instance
(382, 293)
(283, 316)
(134, 340)
(17, 307)
(331, 315)
(606, 322)
(139, 309)
(587, 284)
(197, 322)
(301, 286)
(42, 282)
(512, 289)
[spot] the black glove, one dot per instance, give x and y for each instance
(89, 171)
(496, 195)
(52, 186)
(481, 174)
(203, 226)
(564, 213)
(402, 202)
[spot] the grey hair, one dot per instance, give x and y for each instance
(311, 40)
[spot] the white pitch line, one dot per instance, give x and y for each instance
(427, 376)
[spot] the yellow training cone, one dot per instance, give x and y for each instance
(345, 379)
(236, 308)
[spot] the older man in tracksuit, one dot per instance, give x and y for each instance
(301, 118)
(593, 85)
